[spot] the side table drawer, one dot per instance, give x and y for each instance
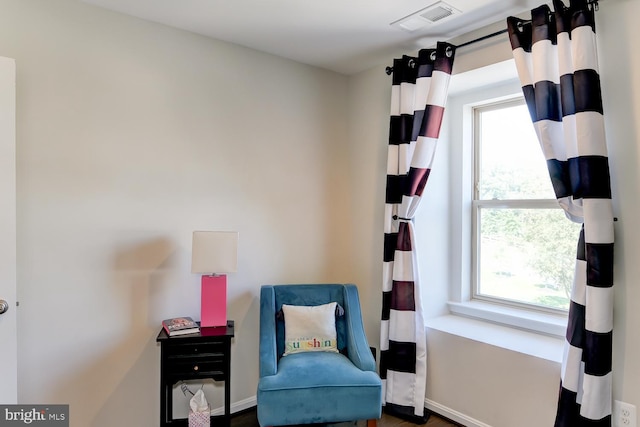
(195, 367)
(195, 349)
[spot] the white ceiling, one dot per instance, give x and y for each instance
(346, 36)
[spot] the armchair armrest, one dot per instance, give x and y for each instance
(357, 346)
(268, 352)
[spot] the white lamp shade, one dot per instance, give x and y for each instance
(214, 252)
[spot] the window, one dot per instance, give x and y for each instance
(489, 195)
(524, 248)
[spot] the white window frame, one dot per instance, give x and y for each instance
(478, 204)
(496, 83)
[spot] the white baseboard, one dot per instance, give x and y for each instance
(247, 403)
(453, 415)
(436, 407)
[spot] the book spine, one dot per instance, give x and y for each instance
(166, 329)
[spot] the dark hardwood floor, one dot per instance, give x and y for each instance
(434, 421)
(248, 419)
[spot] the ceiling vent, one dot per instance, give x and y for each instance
(429, 15)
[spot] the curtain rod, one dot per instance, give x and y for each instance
(592, 3)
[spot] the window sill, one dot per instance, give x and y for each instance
(465, 322)
(543, 323)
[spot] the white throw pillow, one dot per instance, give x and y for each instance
(310, 328)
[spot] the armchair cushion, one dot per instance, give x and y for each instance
(330, 387)
(309, 328)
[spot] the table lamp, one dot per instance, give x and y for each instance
(213, 254)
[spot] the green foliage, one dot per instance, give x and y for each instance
(546, 236)
(553, 301)
(528, 252)
(504, 182)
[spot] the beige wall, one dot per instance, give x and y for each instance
(368, 110)
(620, 75)
(130, 135)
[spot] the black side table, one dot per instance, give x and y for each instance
(203, 355)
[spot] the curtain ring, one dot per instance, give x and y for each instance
(412, 63)
(520, 26)
(448, 51)
(433, 56)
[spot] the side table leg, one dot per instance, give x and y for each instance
(163, 404)
(227, 403)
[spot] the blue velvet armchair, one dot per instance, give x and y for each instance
(315, 387)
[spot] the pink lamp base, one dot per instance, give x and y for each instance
(213, 303)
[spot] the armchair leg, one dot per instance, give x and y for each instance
(372, 423)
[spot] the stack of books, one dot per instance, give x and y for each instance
(180, 326)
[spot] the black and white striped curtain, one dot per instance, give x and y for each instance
(557, 63)
(418, 97)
